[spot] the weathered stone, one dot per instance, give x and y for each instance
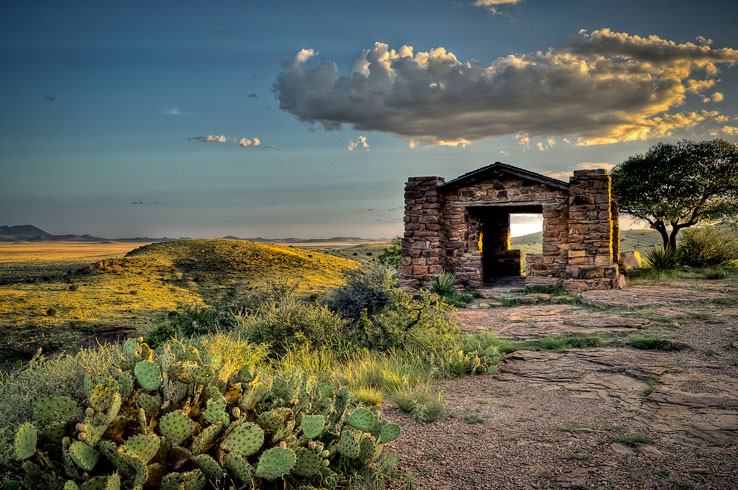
(631, 258)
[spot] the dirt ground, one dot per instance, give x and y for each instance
(614, 417)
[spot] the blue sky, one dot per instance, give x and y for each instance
(106, 108)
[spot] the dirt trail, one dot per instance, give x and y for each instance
(592, 418)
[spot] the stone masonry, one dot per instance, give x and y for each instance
(463, 226)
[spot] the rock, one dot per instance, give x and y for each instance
(621, 449)
(650, 451)
(631, 258)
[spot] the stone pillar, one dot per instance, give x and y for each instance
(549, 267)
(422, 244)
(615, 213)
(590, 256)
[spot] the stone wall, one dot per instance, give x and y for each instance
(423, 243)
(591, 264)
(463, 227)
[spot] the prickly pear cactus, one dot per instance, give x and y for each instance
(174, 420)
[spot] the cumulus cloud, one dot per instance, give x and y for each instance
(492, 5)
(359, 142)
(215, 138)
(704, 41)
(731, 130)
(605, 87)
(245, 142)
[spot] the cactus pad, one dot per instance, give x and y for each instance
(70, 485)
(312, 425)
(245, 439)
(53, 409)
(390, 432)
(127, 383)
(83, 455)
(308, 463)
(176, 427)
(209, 467)
(24, 444)
(239, 469)
(203, 374)
(348, 444)
(366, 448)
(142, 446)
(216, 411)
(247, 373)
(101, 396)
(148, 375)
(192, 480)
(253, 394)
(361, 419)
(275, 463)
(271, 421)
(150, 404)
(206, 438)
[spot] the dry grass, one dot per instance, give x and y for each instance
(48, 301)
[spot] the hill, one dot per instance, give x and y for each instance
(138, 291)
(640, 240)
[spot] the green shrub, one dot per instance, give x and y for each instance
(392, 255)
(444, 284)
(291, 322)
(707, 246)
(660, 259)
(177, 420)
(365, 293)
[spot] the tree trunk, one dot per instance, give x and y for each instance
(672, 239)
(661, 228)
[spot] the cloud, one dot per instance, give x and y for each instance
(359, 142)
(704, 41)
(731, 130)
(175, 111)
(492, 5)
(605, 87)
(49, 97)
(253, 96)
(243, 142)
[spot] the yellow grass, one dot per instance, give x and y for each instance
(50, 252)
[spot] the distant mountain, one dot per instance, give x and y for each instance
(30, 233)
(345, 239)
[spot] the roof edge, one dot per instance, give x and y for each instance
(520, 172)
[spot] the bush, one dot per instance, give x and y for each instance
(660, 259)
(180, 421)
(707, 246)
(392, 255)
(364, 293)
(444, 284)
(289, 323)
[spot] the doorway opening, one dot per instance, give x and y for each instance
(499, 258)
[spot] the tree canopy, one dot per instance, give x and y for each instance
(679, 185)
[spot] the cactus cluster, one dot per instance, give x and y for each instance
(475, 355)
(174, 420)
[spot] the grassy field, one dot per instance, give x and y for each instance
(640, 240)
(52, 296)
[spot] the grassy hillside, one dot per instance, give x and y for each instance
(640, 240)
(139, 290)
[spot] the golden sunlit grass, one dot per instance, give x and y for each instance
(47, 301)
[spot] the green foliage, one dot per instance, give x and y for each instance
(365, 293)
(707, 246)
(392, 255)
(561, 342)
(650, 341)
(444, 284)
(421, 403)
(634, 439)
(660, 259)
(679, 185)
(214, 423)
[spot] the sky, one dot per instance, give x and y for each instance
(305, 119)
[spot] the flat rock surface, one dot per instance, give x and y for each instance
(591, 418)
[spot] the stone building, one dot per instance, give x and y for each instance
(463, 226)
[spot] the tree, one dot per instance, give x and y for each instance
(679, 185)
